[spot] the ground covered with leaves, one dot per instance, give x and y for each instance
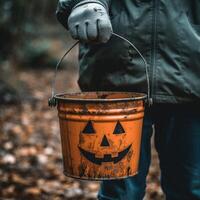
(30, 150)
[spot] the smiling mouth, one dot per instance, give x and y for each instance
(107, 157)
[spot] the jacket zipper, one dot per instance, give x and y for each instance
(154, 45)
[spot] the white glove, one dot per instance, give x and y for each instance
(90, 23)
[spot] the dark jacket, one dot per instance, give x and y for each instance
(167, 32)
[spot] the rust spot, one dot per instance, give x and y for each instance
(129, 156)
(104, 96)
(85, 109)
(81, 139)
(82, 169)
(128, 171)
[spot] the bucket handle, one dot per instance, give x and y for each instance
(52, 100)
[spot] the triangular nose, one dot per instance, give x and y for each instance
(104, 142)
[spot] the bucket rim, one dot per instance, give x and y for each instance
(132, 96)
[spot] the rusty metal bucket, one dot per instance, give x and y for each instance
(100, 132)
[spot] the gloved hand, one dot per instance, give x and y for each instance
(90, 23)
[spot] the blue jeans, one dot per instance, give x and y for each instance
(177, 141)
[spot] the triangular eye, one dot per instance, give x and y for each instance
(118, 129)
(89, 128)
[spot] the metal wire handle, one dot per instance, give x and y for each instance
(52, 100)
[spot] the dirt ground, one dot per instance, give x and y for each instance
(30, 150)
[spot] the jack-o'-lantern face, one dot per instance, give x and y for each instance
(102, 142)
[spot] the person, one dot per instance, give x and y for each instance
(168, 35)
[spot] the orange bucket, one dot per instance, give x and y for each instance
(100, 133)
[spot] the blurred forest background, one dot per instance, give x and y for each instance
(31, 42)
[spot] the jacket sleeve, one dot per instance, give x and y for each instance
(65, 7)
